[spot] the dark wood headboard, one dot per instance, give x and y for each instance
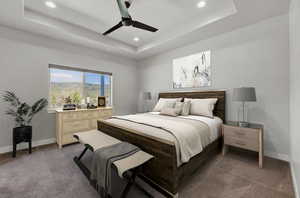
(219, 107)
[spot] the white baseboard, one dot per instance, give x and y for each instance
(280, 156)
(295, 182)
(9, 148)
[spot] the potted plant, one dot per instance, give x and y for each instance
(23, 115)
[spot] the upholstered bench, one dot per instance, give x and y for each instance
(94, 140)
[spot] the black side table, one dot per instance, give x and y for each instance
(22, 134)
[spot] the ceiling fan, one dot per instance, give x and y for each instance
(127, 20)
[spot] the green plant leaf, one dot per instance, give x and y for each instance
(37, 107)
(11, 112)
(23, 109)
(22, 112)
(11, 98)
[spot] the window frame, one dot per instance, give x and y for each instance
(70, 68)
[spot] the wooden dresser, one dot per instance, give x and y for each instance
(70, 122)
(249, 138)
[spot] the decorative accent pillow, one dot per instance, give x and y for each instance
(161, 103)
(178, 106)
(186, 108)
(170, 112)
(168, 104)
(203, 107)
(183, 107)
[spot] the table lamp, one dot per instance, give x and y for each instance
(244, 94)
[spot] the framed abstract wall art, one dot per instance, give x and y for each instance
(192, 71)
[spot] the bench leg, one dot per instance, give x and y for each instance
(129, 185)
(81, 166)
(82, 154)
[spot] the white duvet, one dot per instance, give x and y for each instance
(214, 124)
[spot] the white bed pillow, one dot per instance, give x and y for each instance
(165, 102)
(170, 111)
(202, 107)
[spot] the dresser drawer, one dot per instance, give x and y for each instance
(75, 126)
(87, 115)
(73, 116)
(105, 114)
(241, 133)
(242, 143)
(69, 116)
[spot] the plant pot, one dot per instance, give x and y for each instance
(21, 134)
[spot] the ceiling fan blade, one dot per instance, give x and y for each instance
(113, 29)
(123, 9)
(143, 26)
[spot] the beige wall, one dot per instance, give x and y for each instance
(24, 69)
(256, 55)
(295, 88)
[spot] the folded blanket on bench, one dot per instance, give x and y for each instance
(102, 161)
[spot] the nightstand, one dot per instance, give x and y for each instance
(249, 138)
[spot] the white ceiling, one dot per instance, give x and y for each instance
(179, 21)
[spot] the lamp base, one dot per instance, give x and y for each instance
(243, 124)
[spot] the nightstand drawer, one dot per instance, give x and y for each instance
(241, 133)
(242, 143)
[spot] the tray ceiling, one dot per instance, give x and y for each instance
(179, 21)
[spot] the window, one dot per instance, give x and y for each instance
(77, 86)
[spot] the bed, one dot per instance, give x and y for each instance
(165, 173)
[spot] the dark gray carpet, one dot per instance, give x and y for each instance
(51, 173)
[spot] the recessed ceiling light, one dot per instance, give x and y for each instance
(50, 4)
(136, 39)
(201, 4)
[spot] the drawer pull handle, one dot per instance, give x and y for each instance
(240, 143)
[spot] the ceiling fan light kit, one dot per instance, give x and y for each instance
(201, 4)
(127, 19)
(50, 4)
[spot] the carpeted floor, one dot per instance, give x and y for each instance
(51, 173)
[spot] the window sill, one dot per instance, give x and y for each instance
(53, 110)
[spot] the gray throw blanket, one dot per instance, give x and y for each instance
(102, 161)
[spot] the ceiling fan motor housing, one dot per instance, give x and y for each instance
(128, 3)
(127, 21)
